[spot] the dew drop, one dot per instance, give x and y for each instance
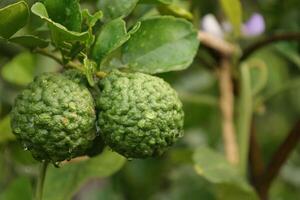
(56, 164)
(130, 159)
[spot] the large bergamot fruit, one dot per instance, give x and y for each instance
(139, 115)
(54, 118)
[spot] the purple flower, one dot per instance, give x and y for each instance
(253, 27)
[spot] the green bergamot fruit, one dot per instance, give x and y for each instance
(54, 118)
(139, 115)
(80, 78)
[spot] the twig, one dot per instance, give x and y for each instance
(255, 156)
(269, 40)
(227, 109)
(50, 55)
(280, 156)
(70, 64)
(217, 44)
(41, 180)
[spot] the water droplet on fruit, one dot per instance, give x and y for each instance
(56, 164)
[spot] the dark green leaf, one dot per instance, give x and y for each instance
(20, 188)
(215, 168)
(111, 37)
(65, 12)
(157, 1)
(5, 130)
(233, 10)
(113, 9)
(161, 44)
(62, 183)
(60, 34)
(13, 18)
(30, 41)
(20, 70)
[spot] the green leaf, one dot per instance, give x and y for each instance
(13, 18)
(111, 37)
(91, 19)
(20, 70)
(233, 11)
(62, 183)
(6, 133)
(89, 70)
(215, 168)
(157, 1)
(65, 12)
(30, 41)
(60, 34)
(161, 44)
(175, 10)
(20, 188)
(113, 9)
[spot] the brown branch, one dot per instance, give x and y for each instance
(281, 155)
(227, 110)
(257, 167)
(221, 46)
(269, 40)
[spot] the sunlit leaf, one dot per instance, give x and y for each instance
(13, 18)
(20, 70)
(5, 130)
(233, 11)
(62, 183)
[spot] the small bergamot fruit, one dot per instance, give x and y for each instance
(54, 118)
(139, 115)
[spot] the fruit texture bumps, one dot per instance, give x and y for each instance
(54, 118)
(139, 115)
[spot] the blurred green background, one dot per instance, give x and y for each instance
(171, 176)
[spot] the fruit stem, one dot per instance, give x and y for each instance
(41, 180)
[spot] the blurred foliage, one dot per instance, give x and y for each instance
(172, 176)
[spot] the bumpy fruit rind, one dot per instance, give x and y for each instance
(139, 115)
(54, 118)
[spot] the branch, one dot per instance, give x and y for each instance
(257, 167)
(70, 64)
(269, 40)
(281, 155)
(227, 109)
(217, 44)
